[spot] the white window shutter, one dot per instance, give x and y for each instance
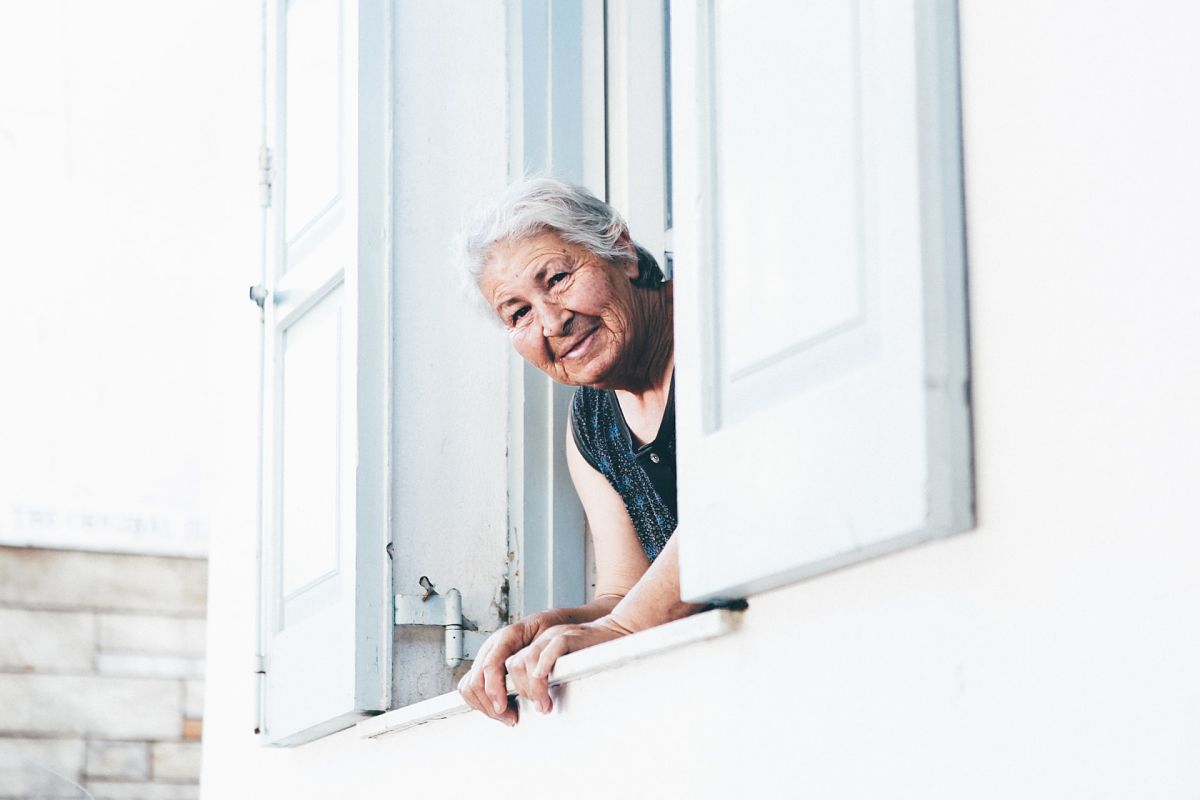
(821, 330)
(325, 620)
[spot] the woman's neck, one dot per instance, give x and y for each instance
(649, 377)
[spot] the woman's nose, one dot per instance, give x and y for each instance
(556, 321)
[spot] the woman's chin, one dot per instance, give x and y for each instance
(585, 374)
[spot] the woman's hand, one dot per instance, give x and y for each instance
(483, 687)
(531, 667)
(528, 649)
(653, 600)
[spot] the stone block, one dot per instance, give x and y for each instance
(193, 729)
(92, 706)
(73, 580)
(137, 664)
(40, 767)
(176, 762)
(118, 760)
(106, 790)
(193, 699)
(141, 633)
(50, 641)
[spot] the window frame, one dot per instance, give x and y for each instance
(576, 89)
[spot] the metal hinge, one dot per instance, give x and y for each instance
(668, 265)
(258, 295)
(260, 678)
(444, 611)
(264, 176)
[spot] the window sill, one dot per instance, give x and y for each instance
(571, 667)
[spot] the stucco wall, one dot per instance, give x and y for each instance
(1052, 652)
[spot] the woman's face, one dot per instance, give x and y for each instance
(568, 313)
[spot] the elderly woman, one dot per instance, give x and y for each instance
(590, 308)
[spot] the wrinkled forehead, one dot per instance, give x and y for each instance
(516, 261)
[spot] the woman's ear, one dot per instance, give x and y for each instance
(630, 266)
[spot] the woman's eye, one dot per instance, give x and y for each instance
(520, 312)
(557, 277)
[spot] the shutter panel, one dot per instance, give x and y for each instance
(821, 329)
(325, 582)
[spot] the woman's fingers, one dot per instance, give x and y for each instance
(469, 688)
(484, 699)
(539, 674)
(482, 687)
(530, 669)
(494, 690)
(516, 670)
(536, 662)
(529, 666)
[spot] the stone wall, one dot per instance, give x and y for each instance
(101, 675)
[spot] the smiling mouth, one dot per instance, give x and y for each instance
(580, 345)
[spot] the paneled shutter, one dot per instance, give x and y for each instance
(822, 370)
(325, 583)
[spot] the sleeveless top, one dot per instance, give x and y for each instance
(643, 476)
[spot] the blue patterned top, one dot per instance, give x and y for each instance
(645, 476)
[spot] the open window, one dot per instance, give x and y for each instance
(797, 164)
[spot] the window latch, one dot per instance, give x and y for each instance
(258, 294)
(445, 611)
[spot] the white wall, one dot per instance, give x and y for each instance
(1053, 651)
(128, 136)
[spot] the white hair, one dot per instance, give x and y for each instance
(539, 205)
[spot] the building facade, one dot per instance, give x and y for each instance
(1044, 650)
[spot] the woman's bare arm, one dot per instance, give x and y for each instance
(648, 594)
(651, 599)
(620, 560)
(620, 563)
(654, 599)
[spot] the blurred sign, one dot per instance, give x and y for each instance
(163, 533)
